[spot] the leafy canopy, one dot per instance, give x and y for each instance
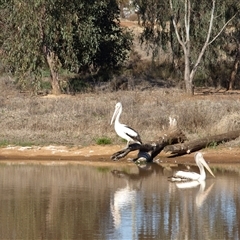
(83, 35)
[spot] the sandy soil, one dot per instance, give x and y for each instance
(98, 155)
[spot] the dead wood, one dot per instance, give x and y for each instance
(175, 142)
(195, 145)
(149, 151)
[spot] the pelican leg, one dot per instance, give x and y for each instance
(127, 145)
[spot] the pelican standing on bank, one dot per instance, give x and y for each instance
(181, 176)
(122, 130)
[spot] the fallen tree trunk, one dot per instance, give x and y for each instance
(195, 145)
(173, 141)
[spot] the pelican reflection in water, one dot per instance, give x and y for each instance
(124, 199)
(122, 130)
(126, 202)
(181, 176)
(202, 193)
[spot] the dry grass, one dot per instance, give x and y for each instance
(83, 119)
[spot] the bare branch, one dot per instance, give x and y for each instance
(210, 24)
(206, 42)
(222, 28)
(187, 19)
(175, 26)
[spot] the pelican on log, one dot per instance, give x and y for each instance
(122, 130)
(181, 176)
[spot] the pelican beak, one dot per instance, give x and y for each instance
(207, 167)
(114, 115)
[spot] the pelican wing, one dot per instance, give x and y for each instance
(187, 184)
(132, 133)
(181, 176)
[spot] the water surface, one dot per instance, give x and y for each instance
(117, 202)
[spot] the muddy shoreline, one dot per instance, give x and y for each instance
(102, 155)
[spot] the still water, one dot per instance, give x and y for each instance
(116, 202)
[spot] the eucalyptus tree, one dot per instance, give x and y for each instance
(236, 63)
(59, 34)
(233, 47)
(189, 26)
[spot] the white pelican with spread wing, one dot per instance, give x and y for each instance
(181, 176)
(122, 130)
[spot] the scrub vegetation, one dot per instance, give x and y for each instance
(63, 47)
(84, 119)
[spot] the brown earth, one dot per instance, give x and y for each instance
(100, 155)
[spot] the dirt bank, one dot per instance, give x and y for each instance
(101, 155)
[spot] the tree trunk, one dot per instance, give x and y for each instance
(187, 76)
(188, 84)
(234, 70)
(52, 62)
(195, 145)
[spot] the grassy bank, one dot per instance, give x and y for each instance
(84, 119)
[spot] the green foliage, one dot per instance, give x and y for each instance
(155, 17)
(78, 84)
(24, 144)
(77, 35)
(103, 141)
(4, 143)
(109, 44)
(103, 169)
(159, 34)
(46, 85)
(212, 145)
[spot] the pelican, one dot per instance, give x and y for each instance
(122, 130)
(181, 176)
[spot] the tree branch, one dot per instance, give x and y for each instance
(222, 28)
(187, 19)
(206, 42)
(175, 26)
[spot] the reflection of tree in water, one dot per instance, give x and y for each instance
(53, 202)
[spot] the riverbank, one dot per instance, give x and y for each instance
(97, 154)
